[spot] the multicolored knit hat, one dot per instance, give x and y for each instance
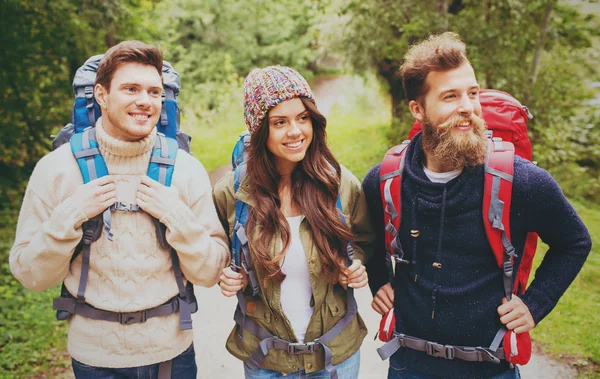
(265, 88)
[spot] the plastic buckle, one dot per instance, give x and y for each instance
(88, 236)
(127, 318)
(118, 206)
(486, 355)
(89, 92)
(439, 351)
(508, 268)
(301, 348)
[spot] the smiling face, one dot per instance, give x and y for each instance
(131, 108)
(290, 134)
(450, 113)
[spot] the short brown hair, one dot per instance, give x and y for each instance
(127, 52)
(441, 52)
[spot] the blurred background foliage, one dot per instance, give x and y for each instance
(544, 52)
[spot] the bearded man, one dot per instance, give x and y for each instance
(451, 291)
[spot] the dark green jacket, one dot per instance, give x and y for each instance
(329, 299)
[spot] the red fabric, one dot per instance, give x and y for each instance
(522, 355)
(386, 335)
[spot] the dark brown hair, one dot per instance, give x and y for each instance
(441, 52)
(127, 52)
(315, 188)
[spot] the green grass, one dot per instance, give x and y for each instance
(571, 330)
(32, 342)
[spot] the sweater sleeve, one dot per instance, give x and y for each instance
(194, 229)
(46, 236)
(560, 227)
(376, 267)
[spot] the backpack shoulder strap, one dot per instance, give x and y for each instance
(162, 159)
(499, 168)
(390, 181)
(160, 168)
(239, 239)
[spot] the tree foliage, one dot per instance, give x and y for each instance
(43, 44)
(215, 43)
(537, 50)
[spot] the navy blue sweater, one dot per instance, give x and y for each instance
(467, 290)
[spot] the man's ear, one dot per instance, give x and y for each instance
(100, 94)
(417, 110)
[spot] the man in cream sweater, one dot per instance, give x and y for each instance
(132, 272)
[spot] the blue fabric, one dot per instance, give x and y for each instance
(348, 369)
(169, 130)
(469, 286)
(398, 371)
(154, 168)
(80, 114)
(183, 367)
(99, 163)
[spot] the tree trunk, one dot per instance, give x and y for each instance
(535, 64)
(389, 71)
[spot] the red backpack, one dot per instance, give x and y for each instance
(506, 119)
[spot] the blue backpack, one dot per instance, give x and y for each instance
(240, 248)
(81, 135)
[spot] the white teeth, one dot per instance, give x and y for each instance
(293, 144)
(138, 116)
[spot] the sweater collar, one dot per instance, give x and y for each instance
(110, 146)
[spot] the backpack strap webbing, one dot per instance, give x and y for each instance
(161, 168)
(390, 179)
(239, 240)
(499, 168)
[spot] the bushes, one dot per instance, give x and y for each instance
(32, 342)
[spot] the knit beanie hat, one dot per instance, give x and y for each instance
(265, 88)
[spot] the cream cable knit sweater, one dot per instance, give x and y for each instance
(130, 273)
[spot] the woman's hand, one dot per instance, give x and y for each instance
(231, 282)
(354, 276)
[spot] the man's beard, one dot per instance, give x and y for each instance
(456, 149)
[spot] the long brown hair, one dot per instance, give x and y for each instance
(315, 188)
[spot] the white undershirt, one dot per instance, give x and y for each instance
(296, 291)
(442, 177)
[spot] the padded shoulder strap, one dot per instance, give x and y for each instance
(499, 168)
(85, 150)
(390, 179)
(162, 160)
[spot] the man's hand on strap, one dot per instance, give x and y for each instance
(94, 197)
(515, 315)
(383, 300)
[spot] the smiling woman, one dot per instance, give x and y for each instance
(294, 190)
